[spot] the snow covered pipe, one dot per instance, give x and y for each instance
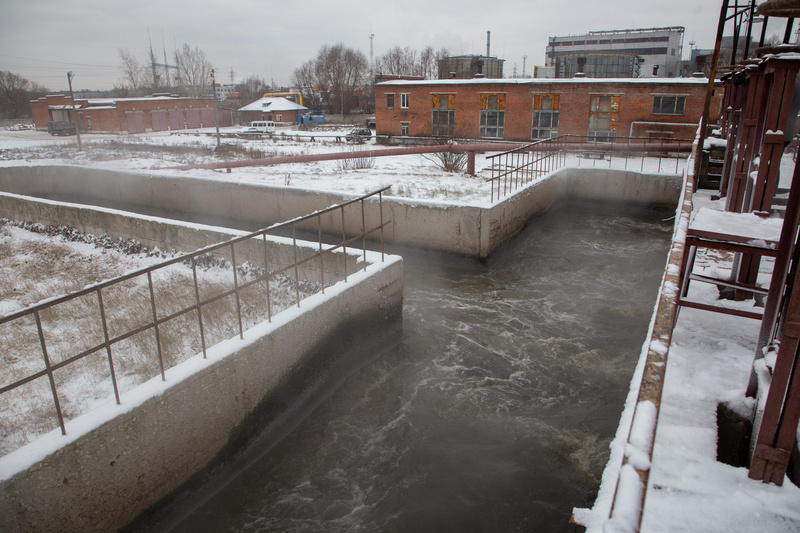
(455, 148)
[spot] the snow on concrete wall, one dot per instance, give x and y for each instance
(463, 229)
(118, 460)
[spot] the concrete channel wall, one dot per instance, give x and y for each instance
(117, 461)
(168, 235)
(103, 477)
(471, 230)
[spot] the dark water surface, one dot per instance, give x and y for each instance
(495, 410)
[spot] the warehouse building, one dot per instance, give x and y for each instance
(638, 53)
(534, 109)
(161, 112)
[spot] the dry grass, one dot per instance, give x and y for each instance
(38, 268)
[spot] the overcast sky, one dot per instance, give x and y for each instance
(43, 39)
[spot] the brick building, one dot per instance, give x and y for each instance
(277, 109)
(531, 109)
(131, 115)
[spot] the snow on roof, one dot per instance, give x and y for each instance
(540, 81)
(273, 103)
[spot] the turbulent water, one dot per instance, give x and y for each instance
(494, 411)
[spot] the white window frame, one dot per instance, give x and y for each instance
(404, 100)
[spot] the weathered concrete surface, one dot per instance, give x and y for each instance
(470, 230)
(144, 449)
(167, 235)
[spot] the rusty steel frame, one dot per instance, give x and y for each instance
(199, 303)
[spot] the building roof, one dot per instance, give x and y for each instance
(273, 103)
(544, 81)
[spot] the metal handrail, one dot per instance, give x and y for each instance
(516, 168)
(155, 322)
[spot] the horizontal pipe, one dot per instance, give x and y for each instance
(455, 148)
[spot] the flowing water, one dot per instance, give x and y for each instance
(494, 411)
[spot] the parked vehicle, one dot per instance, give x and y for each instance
(359, 135)
(260, 126)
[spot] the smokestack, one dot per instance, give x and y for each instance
(488, 40)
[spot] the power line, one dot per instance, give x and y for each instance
(59, 62)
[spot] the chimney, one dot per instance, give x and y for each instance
(488, 41)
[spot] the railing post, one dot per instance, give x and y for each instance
(344, 245)
(363, 234)
(380, 205)
(266, 276)
(59, 415)
(155, 325)
(107, 344)
(296, 272)
(236, 292)
(199, 308)
(321, 264)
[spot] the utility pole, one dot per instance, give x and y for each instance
(70, 75)
(371, 64)
(216, 114)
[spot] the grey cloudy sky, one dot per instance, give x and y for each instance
(43, 39)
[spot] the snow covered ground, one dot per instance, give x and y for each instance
(39, 263)
(411, 176)
(709, 363)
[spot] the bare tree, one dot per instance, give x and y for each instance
(133, 73)
(426, 65)
(397, 62)
(337, 72)
(16, 93)
(305, 79)
(251, 89)
(407, 62)
(194, 71)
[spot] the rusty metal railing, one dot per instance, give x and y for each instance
(305, 263)
(516, 168)
(513, 169)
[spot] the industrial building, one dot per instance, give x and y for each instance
(276, 109)
(465, 67)
(132, 115)
(534, 109)
(635, 53)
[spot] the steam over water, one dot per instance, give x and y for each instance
(495, 410)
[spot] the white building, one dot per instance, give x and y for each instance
(637, 53)
(224, 90)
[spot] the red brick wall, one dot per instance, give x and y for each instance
(287, 117)
(636, 102)
(111, 117)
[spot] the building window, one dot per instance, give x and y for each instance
(493, 115)
(669, 105)
(545, 116)
(603, 118)
(404, 127)
(390, 101)
(443, 115)
(404, 97)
